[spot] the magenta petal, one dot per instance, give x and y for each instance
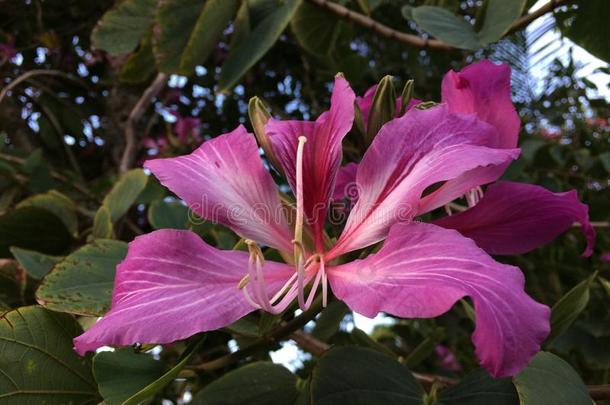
(322, 152)
(482, 88)
(345, 186)
(423, 269)
(224, 181)
(515, 218)
(408, 155)
(172, 285)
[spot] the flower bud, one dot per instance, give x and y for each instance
(383, 107)
(259, 115)
(406, 95)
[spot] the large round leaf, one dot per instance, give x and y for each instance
(33, 228)
(122, 373)
(358, 376)
(82, 283)
(479, 388)
(259, 383)
(37, 363)
(549, 380)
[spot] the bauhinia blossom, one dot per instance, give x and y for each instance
(172, 284)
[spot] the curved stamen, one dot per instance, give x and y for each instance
(299, 253)
(324, 282)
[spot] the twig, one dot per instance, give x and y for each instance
(36, 72)
(417, 41)
(284, 330)
(599, 392)
(136, 113)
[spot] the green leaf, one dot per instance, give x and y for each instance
(58, 204)
(174, 214)
(256, 383)
(102, 224)
(82, 283)
(122, 373)
(212, 21)
(124, 193)
(120, 29)
(188, 32)
(424, 349)
(586, 25)
(315, 29)
(36, 264)
(446, 26)
(499, 16)
(327, 325)
(140, 66)
(157, 385)
(343, 376)
(567, 309)
(362, 338)
(37, 362)
(33, 228)
(479, 388)
(549, 380)
(256, 42)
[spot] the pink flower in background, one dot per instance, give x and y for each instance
(172, 284)
(187, 127)
(447, 358)
(605, 257)
(7, 50)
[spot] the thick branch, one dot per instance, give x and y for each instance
(129, 154)
(414, 40)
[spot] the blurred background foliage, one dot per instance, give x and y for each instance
(85, 81)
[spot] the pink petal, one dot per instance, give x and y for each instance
(345, 186)
(482, 88)
(408, 155)
(423, 269)
(515, 218)
(172, 285)
(322, 152)
(224, 181)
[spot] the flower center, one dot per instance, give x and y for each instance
(307, 269)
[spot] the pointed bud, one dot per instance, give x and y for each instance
(259, 115)
(383, 107)
(406, 95)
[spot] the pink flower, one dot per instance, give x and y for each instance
(605, 257)
(172, 284)
(187, 127)
(447, 358)
(7, 50)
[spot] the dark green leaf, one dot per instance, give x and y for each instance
(37, 362)
(260, 383)
(208, 29)
(499, 15)
(567, 309)
(157, 385)
(330, 320)
(140, 66)
(82, 282)
(36, 264)
(605, 159)
(479, 388)
(120, 29)
(33, 228)
(58, 204)
(549, 380)
(586, 25)
(316, 29)
(446, 26)
(343, 375)
(162, 214)
(256, 43)
(122, 373)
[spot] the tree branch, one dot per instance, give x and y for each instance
(417, 41)
(128, 157)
